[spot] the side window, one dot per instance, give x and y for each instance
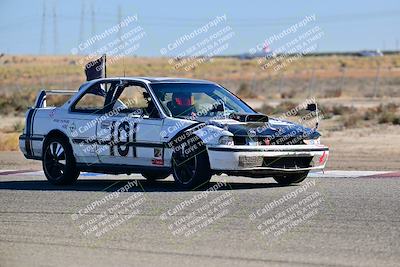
(93, 99)
(135, 99)
(203, 101)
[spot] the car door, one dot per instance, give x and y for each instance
(130, 133)
(83, 116)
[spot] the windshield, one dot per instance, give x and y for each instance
(198, 100)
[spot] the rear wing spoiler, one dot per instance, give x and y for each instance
(41, 96)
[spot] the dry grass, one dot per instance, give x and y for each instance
(332, 80)
(9, 141)
(332, 76)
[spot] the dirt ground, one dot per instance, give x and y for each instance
(374, 148)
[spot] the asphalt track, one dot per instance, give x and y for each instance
(332, 219)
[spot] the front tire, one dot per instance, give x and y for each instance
(291, 178)
(58, 162)
(191, 171)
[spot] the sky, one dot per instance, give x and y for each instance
(346, 25)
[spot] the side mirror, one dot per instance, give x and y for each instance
(311, 107)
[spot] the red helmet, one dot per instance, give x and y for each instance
(182, 99)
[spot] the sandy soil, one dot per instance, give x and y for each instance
(374, 148)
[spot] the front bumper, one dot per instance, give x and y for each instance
(282, 158)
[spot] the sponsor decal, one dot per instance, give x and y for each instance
(322, 158)
(52, 113)
(72, 129)
(158, 156)
(157, 161)
(158, 152)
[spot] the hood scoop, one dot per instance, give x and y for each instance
(242, 117)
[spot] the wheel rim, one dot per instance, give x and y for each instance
(185, 168)
(55, 160)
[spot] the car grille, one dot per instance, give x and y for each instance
(287, 162)
(262, 141)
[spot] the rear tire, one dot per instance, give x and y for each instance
(58, 161)
(291, 178)
(191, 171)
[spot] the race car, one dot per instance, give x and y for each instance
(192, 129)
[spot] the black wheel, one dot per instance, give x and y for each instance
(191, 171)
(58, 162)
(291, 178)
(153, 176)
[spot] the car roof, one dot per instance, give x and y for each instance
(154, 80)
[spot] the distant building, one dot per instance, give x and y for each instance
(370, 53)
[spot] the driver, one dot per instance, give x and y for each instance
(182, 103)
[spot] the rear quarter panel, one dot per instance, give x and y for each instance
(42, 121)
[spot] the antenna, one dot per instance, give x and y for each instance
(119, 34)
(105, 65)
(123, 62)
(119, 22)
(43, 31)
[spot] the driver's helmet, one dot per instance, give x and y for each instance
(182, 99)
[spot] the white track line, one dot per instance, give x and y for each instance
(344, 174)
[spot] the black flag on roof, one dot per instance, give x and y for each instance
(96, 69)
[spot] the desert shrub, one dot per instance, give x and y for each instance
(323, 109)
(369, 115)
(244, 91)
(267, 109)
(333, 93)
(390, 107)
(336, 110)
(284, 107)
(279, 109)
(386, 117)
(16, 102)
(287, 95)
(18, 126)
(352, 120)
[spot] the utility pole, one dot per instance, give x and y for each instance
(120, 53)
(119, 21)
(312, 82)
(93, 27)
(81, 28)
(42, 47)
(55, 31)
(376, 83)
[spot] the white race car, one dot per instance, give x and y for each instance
(158, 126)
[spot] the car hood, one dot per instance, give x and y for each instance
(274, 128)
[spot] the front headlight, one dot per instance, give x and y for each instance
(226, 140)
(312, 141)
